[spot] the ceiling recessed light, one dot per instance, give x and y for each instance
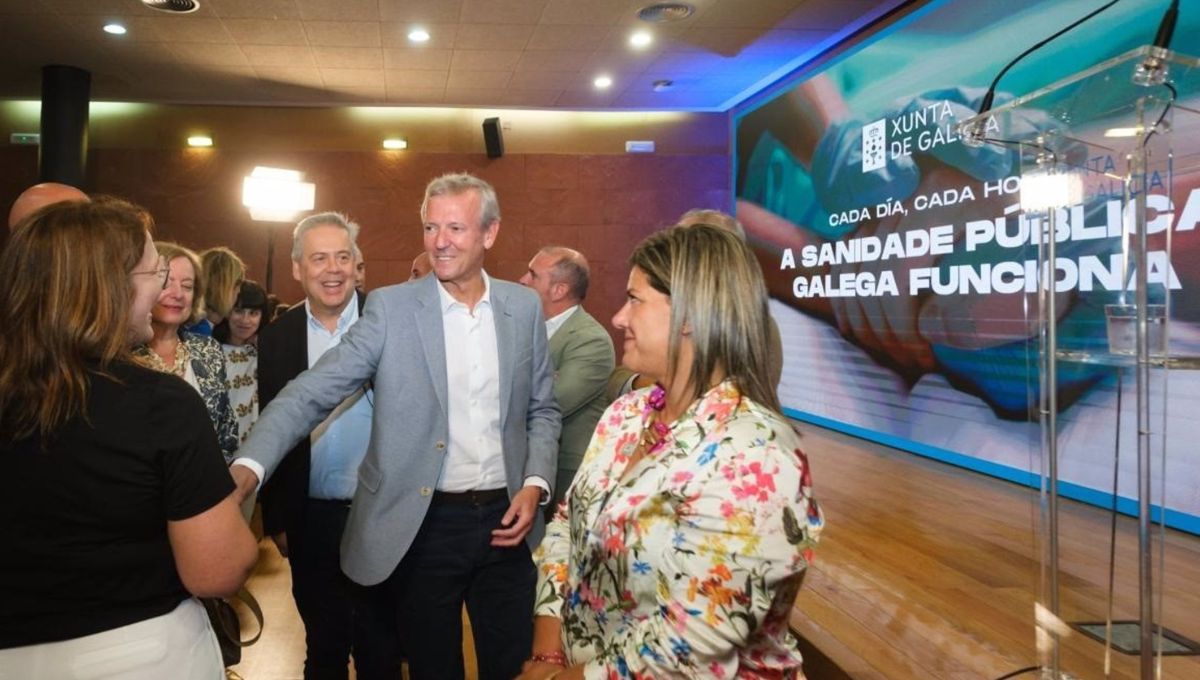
(602, 82)
(115, 29)
(418, 35)
(200, 141)
(641, 39)
(395, 143)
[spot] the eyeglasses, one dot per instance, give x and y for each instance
(163, 271)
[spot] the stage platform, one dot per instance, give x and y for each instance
(930, 571)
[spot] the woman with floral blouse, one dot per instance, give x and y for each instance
(681, 545)
(197, 359)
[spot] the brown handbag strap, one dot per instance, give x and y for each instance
(235, 636)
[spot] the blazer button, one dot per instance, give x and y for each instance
(439, 446)
(425, 491)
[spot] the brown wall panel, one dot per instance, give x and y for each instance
(601, 204)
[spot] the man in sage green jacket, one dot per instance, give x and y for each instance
(581, 352)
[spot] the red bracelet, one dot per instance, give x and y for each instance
(556, 658)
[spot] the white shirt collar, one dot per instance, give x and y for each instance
(348, 316)
(448, 300)
(556, 322)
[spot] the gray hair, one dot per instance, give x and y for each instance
(455, 183)
(333, 219)
(571, 268)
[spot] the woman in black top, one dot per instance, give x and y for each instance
(114, 498)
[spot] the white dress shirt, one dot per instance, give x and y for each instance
(475, 455)
(556, 322)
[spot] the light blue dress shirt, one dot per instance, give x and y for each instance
(340, 441)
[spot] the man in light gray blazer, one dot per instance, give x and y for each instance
(462, 449)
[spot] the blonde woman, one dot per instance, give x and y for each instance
(115, 504)
(222, 273)
(196, 359)
(683, 539)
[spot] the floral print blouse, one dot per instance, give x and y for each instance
(687, 564)
(241, 369)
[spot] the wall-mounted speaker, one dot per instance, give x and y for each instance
(491, 137)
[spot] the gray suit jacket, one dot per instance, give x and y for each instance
(398, 344)
(583, 358)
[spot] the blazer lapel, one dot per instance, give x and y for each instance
(559, 341)
(429, 327)
(506, 335)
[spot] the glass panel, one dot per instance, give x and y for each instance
(1108, 161)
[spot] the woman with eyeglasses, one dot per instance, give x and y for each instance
(115, 505)
(197, 359)
(686, 532)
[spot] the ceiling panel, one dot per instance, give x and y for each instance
(479, 80)
(266, 31)
(503, 11)
(577, 38)
(343, 33)
(279, 55)
(418, 59)
(200, 54)
(255, 9)
(584, 12)
(415, 95)
(398, 80)
(532, 53)
(349, 57)
(340, 10)
(484, 60)
(493, 36)
(422, 11)
(190, 28)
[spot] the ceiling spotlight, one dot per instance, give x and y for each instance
(200, 141)
(395, 143)
(418, 35)
(641, 39)
(662, 85)
(114, 29)
(602, 82)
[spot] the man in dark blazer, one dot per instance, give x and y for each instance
(580, 349)
(462, 447)
(305, 504)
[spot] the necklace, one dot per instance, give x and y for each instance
(655, 431)
(151, 359)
